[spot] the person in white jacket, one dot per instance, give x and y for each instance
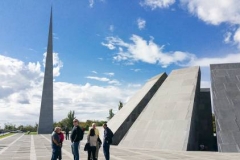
(92, 140)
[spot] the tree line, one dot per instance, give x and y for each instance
(64, 123)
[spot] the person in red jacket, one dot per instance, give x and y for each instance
(61, 137)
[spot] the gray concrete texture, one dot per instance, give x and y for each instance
(225, 79)
(168, 122)
(38, 147)
(46, 112)
(124, 119)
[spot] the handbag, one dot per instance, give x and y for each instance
(87, 147)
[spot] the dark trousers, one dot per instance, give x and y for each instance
(92, 151)
(60, 152)
(106, 148)
(55, 152)
(67, 136)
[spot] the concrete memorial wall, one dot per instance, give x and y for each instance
(225, 79)
(169, 120)
(124, 119)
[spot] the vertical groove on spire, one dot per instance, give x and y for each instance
(45, 124)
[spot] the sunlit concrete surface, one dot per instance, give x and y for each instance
(38, 147)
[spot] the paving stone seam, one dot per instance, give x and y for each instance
(33, 155)
(4, 149)
(82, 145)
(63, 150)
(159, 158)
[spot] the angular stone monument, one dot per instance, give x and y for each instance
(124, 119)
(226, 101)
(169, 121)
(45, 125)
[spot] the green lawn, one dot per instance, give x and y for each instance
(31, 133)
(6, 135)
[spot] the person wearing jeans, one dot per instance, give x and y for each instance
(107, 140)
(76, 137)
(55, 143)
(75, 150)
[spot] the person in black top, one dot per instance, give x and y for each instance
(76, 137)
(107, 140)
(67, 133)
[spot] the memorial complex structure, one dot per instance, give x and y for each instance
(178, 115)
(225, 79)
(122, 121)
(170, 112)
(169, 119)
(45, 125)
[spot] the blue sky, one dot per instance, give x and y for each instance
(106, 50)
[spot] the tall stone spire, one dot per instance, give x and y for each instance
(45, 125)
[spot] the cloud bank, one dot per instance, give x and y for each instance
(21, 89)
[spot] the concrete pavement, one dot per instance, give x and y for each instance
(38, 147)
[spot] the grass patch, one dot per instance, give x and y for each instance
(6, 135)
(31, 133)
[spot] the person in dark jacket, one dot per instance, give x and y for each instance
(107, 140)
(76, 137)
(67, 133)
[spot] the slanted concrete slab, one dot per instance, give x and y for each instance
(124, 119)
(226, 100)
(169, 119)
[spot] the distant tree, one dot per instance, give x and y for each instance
(21, 127)
(9, 126)
(111, 114)
(70, 118)
(66, 122)
(120, 105)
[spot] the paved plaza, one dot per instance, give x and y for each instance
(37, 147)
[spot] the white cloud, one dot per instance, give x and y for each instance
(111, 28)
(145, 51)
(215, 11)
(103, 79)
(21, 89)
(153, 4)
(110, 46)
(236, 37)
(136, 70)
(110, 74)
(114, 82)
(95, 72)
(141, 23)
(91, 3)
(206, 61)
(227, 37)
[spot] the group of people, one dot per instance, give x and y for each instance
(93, 139)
